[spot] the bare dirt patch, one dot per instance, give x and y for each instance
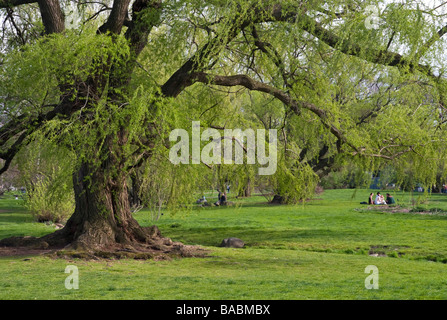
(392, 209)
(182, 251)
(22, 251)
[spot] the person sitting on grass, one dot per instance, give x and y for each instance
(223, 199)
(390, 199)
(379, 199)
(370, 200)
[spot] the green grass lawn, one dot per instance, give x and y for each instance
(318, 250)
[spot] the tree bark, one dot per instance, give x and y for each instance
(116, 18)
(102, 217)
(246, 191)
(134, 192)
(52, 16)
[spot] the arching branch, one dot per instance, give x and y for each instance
(295, 106)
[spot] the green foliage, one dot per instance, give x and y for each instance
(46, 173)
(46, 203)
(294, 182)
(38, 71)
(348, 176)
(165, 186)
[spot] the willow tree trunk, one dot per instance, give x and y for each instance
(102, 218)
(246, 191)
(103, 223)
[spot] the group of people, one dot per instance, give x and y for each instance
(221, 198)
(380, 199)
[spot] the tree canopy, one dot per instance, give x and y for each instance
(107, 81)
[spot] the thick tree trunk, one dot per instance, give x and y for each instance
(102, 218)
(103, 222)
(52, 16)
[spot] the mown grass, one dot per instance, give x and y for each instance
(318, 250)
(335, 224)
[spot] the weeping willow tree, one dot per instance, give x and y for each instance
(108, 81)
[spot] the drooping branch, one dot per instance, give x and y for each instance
(392, 156)
(298, 14)
(9, 155)
(370, 54)
(15, 131)
(272, 53)
(182, 78)
(19, 32)
(51, 12)
(290, 14)
(294, 105)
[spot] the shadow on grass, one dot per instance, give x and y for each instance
(254, 204)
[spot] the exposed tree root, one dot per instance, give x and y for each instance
(87, 246)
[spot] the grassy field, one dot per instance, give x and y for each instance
(318, 250)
